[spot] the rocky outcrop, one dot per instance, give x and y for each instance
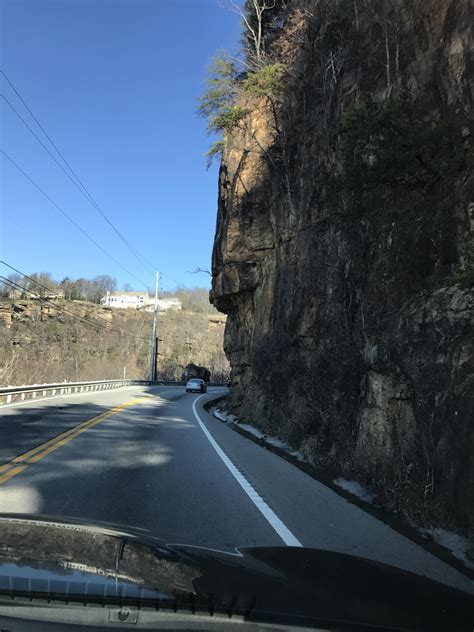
(192, 370)
(31, 311)
(350, 311)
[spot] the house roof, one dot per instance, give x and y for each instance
(128, 293)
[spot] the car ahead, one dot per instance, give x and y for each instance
(196, 386)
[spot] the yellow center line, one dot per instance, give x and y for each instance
(26, 455)
(22, 461)
(11, 473)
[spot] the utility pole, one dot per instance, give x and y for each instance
(153, 335)
(155, 366)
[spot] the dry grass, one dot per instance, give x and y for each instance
(45, 345)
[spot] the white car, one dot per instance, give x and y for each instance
(196, 385)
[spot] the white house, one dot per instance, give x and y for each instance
(125, 300)
(139, 300)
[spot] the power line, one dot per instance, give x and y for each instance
(45, 287)
(46, 300)
(31, 113)
(61, 308)
(66, 214)
(76, 180)
(79, 184)
(69, 312)
(12, 107)
(169, 278)
(48, 289)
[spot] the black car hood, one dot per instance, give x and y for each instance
(68, 560)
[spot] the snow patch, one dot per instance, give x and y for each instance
(458, 545)
(253, 431)
(278, 443)
(298, 455)
(274, 441)
(355, 488)
(220, 415)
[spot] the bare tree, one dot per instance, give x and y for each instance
(388, 15)
(334, 64)
(254, 30)
(199, 270)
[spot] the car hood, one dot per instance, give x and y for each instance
(54, 559)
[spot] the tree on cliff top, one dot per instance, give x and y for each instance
(225, 102)
(257, 17)
(218, 104)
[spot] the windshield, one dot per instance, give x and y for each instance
(295, 369)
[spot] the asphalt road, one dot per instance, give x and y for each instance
(153, 458)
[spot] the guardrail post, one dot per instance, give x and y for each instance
(9, 399)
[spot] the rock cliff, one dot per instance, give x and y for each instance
(344, 248)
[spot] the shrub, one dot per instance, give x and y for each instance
(266, 81)
(390, 144)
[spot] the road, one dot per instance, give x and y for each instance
(153, 458)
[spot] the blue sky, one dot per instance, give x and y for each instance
(116, 85)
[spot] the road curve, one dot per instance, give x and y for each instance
(153, 458)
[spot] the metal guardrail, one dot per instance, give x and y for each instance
(11, 394)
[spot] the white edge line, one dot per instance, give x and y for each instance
(281, 529)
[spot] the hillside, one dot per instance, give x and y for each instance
(343, 252)
(40, 343)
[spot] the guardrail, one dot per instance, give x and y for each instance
(11, 394)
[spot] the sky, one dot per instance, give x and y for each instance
(115, 84)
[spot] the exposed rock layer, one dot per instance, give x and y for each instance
(351, 338)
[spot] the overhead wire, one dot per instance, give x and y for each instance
(61, 308)
(71, 219)
(79, 186)
(170, 279)
(32, 280)
(33, 133)
(45, 287)
(75, 179)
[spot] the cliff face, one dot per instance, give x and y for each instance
(347, 289)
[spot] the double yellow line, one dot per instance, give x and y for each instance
(21, 462)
